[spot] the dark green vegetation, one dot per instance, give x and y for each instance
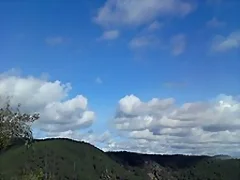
(180, 167)
(67, 159)
(61, 159)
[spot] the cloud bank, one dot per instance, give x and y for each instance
(154, 126)
(159, 125)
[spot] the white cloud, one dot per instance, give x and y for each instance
(98, 80)
(135, 12)
(178, 43)
(195, 127)
(223, 44)
(100, 140)
(110, 35)
(87, 137)
(215, 23)
(155, 25)
(50, 98)
(143, 41)
(53, 41)
(154, 126)
(165, 147)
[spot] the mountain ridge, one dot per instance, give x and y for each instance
(63, 158)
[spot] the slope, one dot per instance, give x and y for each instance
(63, 159)
(67, 159)
(180, 167)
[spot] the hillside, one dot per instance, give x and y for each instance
(62, 159)
(181, 167)
(68, 159)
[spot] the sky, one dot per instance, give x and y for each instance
(151, 76)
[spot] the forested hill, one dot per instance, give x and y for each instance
(67, 159)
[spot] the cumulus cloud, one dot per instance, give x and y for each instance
(178, 43)
(50, 98)
(225, 43)
(154, 126)
(195, 127)
(215, 23)
(135, 12)
(110, 35)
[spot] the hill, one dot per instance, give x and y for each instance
(62, 159)
(222, 157)
(68, 159)
(180, 167)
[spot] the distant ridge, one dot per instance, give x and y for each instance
(62, 158)
(222, 157)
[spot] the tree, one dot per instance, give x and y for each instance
(15, 125)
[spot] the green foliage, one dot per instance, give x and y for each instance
(180, 167)
(55, 159)
(36, 175)
(213, 169)
(63, 159)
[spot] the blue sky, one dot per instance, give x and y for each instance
(186, 50)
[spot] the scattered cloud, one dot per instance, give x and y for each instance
(135, 12)
(155, 26)
(178, 44)
(161, 126)
(98, 80)
(215, 23)
(225, 43)
(143, 41)
(50, 98)
(110, 35)
(53, 41)
(154, 126)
